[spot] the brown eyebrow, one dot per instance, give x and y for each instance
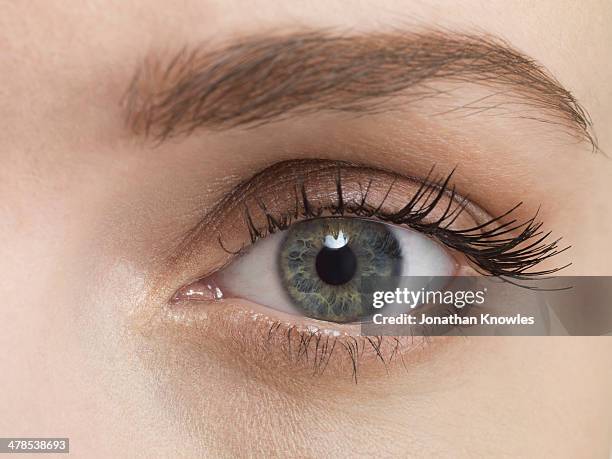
(265, 78)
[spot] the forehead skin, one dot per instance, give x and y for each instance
(64, 69)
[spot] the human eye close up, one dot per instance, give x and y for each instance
(331, 229)
(297, 240)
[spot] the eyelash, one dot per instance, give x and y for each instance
(486, 245)
(325, 345)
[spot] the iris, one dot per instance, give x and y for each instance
(323, 261)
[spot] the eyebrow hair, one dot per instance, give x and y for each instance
(260, 79)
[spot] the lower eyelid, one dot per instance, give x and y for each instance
(253, 336)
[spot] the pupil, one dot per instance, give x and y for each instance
(336, 266)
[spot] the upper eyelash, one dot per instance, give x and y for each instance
(485, 245)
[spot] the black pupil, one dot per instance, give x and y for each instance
(336, 266)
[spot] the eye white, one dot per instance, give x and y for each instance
(255, 275)
(422, 255)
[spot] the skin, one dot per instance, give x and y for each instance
(88, 211)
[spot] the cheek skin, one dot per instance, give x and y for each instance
(422, 407)
(64, 315)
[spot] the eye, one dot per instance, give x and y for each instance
(315, 268)
(317, 230)
(297, 240)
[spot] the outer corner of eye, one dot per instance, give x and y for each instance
(315, 268)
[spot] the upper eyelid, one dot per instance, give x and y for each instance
(280, 175)
(292, 172)
(507, 256)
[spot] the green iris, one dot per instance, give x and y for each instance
(323, 261)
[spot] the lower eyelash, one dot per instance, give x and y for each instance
(316, 348)
(486, 246)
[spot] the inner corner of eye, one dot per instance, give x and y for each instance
(206, 289)
(316, 267)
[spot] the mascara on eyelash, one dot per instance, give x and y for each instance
(487, 246)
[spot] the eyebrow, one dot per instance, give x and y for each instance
(261, 79)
